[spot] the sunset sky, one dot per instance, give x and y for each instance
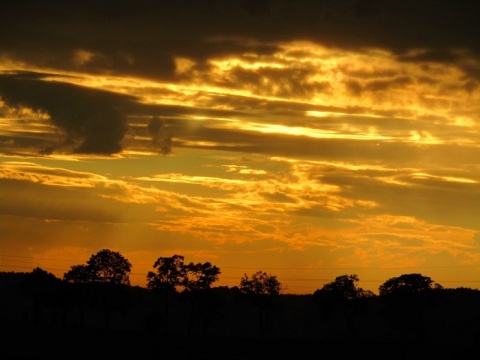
(306, 139)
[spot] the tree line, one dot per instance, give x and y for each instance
(172, 274)
(102, 285)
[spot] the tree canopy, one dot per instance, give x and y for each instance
(200, 276)
(407, 284)
(170, 272)
(343, 288)
(260, 283)
(106, 266)
(78, 274)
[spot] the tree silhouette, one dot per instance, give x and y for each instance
(196, 285)
(104, 278)
(405, 298)
(170, 274)
(109, 267)
(260, 289)
(407, 284)
(413, 325)
(79, 276)
(46, 292)
(200, 276)
(344, 296)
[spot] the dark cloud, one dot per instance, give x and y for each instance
(382, 85)
(257, 7)
(142, 37)
(431, 56)
(160, 139)
(92, 120)
(367, 8)
(356, 88)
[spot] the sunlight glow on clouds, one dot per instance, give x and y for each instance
(48, 176)
(362, 81)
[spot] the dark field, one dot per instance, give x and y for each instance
(27, 341)
(293, 327)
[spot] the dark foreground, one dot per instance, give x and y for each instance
(29, 341)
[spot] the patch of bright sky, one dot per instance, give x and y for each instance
(444, 178)
(13, 119)
(330, 114)
(309, 132)
(49, 175)
(9, 126)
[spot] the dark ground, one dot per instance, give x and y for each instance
(448, 329)
(34, 342)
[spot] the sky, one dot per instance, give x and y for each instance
(306, 139)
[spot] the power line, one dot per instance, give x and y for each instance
(17, 259)
(289, 268)
(346, 268)
(30, 267)
(32, 258)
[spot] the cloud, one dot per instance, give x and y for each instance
(231, 102)
(92, 120)
(39, 191)
(160, 138)
(436, 200)
(135, 36)
(21, 198)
